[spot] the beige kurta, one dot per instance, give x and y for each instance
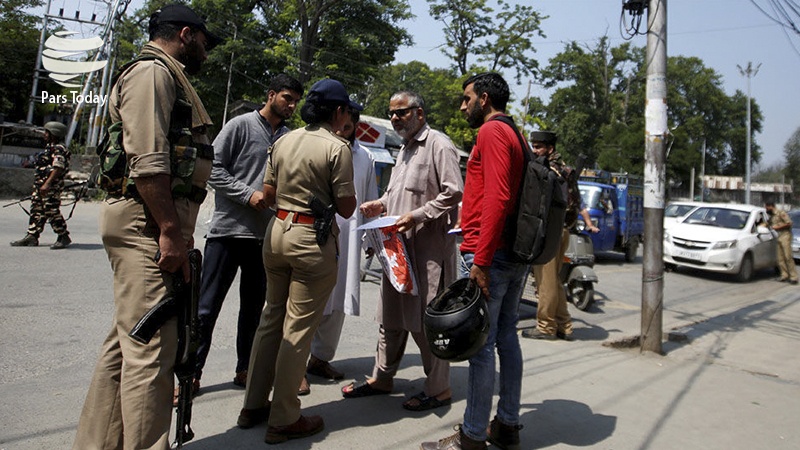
(427, 182)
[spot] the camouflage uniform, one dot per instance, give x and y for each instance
(46, 207)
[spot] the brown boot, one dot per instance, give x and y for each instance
(28, 241)
(504, 436)
(63, 241)
(457, 441)
(248, 418)
(323, 369)
(305, 426)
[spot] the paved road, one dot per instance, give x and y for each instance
(734, 382)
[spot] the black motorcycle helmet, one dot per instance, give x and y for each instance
(457, 321)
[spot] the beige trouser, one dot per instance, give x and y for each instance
(392, 346)
(552, 314)
(300, 278)
(326, 339)
(129, 403)
(785, 258)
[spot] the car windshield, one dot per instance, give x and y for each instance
(676, 210)
(795, 217)
(590, 195)
(718, 217)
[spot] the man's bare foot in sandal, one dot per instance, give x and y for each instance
(422, 402)
(367, 388)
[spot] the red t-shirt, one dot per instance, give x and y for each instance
(494, 172)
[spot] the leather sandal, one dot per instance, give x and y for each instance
(305, 387)
(424, 402)
(363, 389)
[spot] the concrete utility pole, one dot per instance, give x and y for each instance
(656, 133)
(749, 72)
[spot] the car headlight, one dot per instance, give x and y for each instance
(725, 244)
(796, 240)
(666, 236)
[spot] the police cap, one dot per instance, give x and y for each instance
(182, 14)
(547, 137)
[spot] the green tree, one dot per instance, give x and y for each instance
(19, 42)
(441, 89)
(597, 108)
(593, 108)
(503, 43)
(310, 39)
(791, 151)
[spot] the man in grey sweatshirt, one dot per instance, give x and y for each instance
(239, 221)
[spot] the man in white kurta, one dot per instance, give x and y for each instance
(345, 299)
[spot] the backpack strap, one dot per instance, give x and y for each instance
(526, 151)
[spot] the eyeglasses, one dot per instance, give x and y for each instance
(400, 112)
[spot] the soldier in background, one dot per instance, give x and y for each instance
(51, 165)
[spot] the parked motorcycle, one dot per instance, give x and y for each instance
(577, 271)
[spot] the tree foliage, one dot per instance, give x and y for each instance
(597, 108)
(791, 151)
(504, 43)
(349, 40)
(19, 43)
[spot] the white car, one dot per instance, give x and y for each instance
(722, 238)
(675, 211)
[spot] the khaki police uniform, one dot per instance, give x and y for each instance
(552, 314)
(129, 404)
(786, 265)
(300, 273)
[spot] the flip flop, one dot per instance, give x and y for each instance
(425, 402)
(363, 389)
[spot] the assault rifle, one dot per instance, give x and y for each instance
(324, 216)
(183, 302)
(78, 195)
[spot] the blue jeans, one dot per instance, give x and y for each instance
(505, 288)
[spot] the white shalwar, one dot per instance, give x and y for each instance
(345, 298)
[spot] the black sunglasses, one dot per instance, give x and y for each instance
(400, 112)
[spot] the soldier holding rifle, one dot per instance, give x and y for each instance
(129, 403)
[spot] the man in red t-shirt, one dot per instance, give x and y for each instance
(494, 172)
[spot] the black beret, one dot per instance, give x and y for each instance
(548, 137)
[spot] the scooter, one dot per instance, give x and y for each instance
(576, 272)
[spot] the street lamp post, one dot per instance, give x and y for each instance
(748, 72)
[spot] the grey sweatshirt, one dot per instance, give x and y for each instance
(240, 159)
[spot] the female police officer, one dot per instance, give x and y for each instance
(300, 260)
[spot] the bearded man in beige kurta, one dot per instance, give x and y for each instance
(424, 191)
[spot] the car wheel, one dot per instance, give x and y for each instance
(669, 267)
(746, 270)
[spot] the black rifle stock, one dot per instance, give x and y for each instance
(188, 342)
(183, 301)
(324, 215)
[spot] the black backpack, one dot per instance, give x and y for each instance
(534, 230)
